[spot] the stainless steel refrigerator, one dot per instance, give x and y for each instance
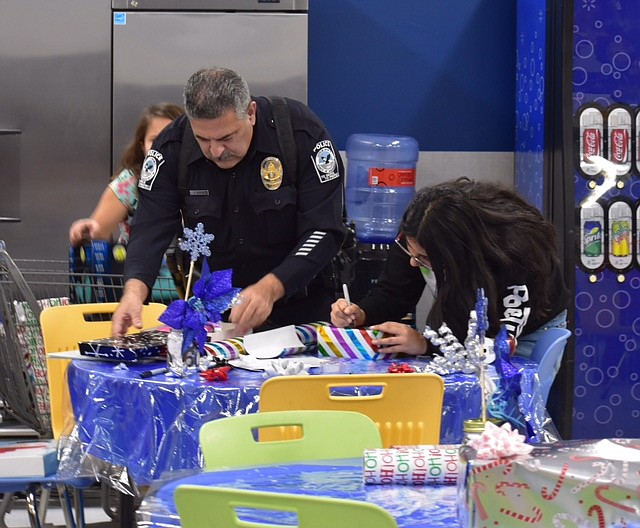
(71, 98)
(158, 44)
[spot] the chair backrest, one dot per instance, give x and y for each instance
(407, 408)
(204, 506)
(548, 352)
(324, 434)
(62, 328)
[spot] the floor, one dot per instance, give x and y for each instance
(95, 517)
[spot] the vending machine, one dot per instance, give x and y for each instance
(578, 160)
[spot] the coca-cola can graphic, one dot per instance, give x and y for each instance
(591, 122)
(619, 138)
(619, 145)
(592, 139)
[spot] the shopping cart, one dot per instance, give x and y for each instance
(28, 286)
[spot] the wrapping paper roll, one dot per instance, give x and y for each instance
(412, 465)
(232, 348)
(349, 343)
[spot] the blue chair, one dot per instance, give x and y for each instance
(547, 353)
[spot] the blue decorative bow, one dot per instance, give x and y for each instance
(213, 293)
(504, 402)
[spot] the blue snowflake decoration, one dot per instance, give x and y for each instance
(196, 242)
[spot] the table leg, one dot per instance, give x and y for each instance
(127, 511)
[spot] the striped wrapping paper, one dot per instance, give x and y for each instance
(232, 348)
(349, 343)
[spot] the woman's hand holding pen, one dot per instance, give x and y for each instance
(346, 314)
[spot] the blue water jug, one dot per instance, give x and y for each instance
(381, 181)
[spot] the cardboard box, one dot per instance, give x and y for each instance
(572, 483)
(28, 459)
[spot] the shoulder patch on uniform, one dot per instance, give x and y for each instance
(325, 162)
(150, 168)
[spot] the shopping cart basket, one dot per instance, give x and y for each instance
(26, 287)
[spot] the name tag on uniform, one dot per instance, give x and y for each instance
(198, 192)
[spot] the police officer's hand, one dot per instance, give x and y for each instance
(344, 314)
(129, 311)
(401, 338)
(255, 303)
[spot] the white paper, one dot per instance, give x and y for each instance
(271, 343)
(252, 363)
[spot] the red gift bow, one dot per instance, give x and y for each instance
(400, 369)
(216, 374)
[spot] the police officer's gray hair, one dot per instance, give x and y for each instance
(212, 92)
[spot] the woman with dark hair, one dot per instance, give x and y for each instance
(464, 235)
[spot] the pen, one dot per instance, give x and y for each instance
(345, 291)
(153, 372)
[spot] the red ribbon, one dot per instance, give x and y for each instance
(400, 369)
(216, 374)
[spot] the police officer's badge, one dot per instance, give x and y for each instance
(150, 168)
(271, 173)
(325, 161)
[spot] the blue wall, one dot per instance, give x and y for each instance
(441, 71)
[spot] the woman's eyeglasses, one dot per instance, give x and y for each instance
(422, 260)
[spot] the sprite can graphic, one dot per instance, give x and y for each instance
(592, 238)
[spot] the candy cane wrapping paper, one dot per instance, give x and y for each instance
(411, 465)
(349, 343)
(573, 483)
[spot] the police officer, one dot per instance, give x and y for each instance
(275, 230)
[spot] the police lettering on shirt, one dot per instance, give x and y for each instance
(516, 309)
(325, 162)
(150, 168)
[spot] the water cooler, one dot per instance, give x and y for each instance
(381, 178)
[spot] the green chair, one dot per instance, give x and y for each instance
(324, 434)
(203, 506)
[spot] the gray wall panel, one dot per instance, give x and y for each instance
(55, 88)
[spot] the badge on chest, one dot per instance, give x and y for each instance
(271, 173)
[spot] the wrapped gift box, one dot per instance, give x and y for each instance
(572, 483)
(129, 348)
(349, 343)
(28, 459)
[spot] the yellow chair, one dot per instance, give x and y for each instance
(202, 506)
(407, 408)
(316, 438)
(62, 328)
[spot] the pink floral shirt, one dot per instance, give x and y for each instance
(125, 187)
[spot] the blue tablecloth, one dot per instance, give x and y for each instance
(150, 426)
(411, 506)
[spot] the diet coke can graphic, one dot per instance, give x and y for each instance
(620, 217)
(590, 121)
(619, 138)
